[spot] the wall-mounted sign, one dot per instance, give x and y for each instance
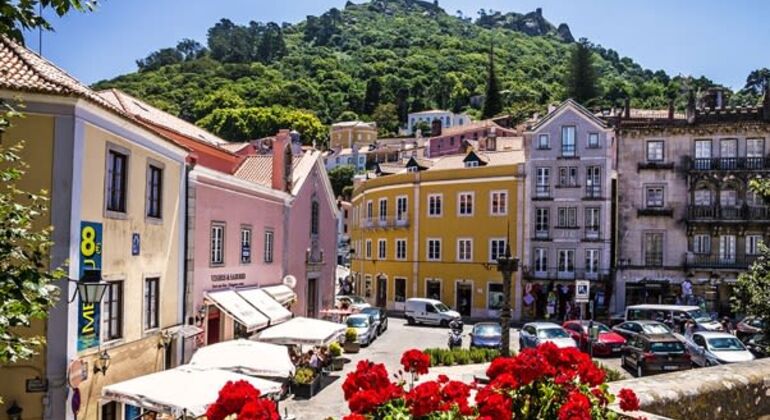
(582, 291)
(77, 372)
(136, 244)
(37, 385)
(227, 281)
(228, 277)
(90, 259)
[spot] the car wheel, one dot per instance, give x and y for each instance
(639, 371)
(444, 323)
(409, 320)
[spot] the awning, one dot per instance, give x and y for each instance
(237, 307)
(244, 356)
(184, 331)
(180, 391)
(265, 303)
(302, 331)
(282, 293)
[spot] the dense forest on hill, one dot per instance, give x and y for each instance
(377, 60)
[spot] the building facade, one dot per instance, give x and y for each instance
(570, 174)
(348, 134)
(688, 220)
(436, 232)
(448, 119)
(479, 135)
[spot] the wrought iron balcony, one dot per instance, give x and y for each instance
(730, 164)
(719, 261)
(542, 191)
(393, 222)
(593, 191)
(728, 213)
(554, 273)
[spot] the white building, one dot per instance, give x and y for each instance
(347, 156)
(448, 119)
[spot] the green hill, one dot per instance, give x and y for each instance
(378, 60)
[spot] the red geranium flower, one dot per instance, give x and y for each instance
(628, 400)
(354, 416)
(577, 407)
(424, 399)
(368, 387)
(415, 361)
(493, 405)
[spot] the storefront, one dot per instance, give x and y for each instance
(555, 300)
(239, 313)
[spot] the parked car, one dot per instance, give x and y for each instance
(428, 311)
(645, 354)
(364, 326)
(749, 327)
(534, 334)
(487, 335)
(673, 315)
(758, 345)
(630, 329)
(607, 342)
(352, 302)
(709, 348)
(380, 317)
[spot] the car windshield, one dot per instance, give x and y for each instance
(725, 344)
(756, 323)
(698, 315)
(373, 312)
(358, 322)
(601, 327)
(356, 299)
(656, 328)
(486, 330)
(441, 307)
(667, 347)
(549, 333)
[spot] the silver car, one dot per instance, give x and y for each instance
(534, 334)
(365, 328)
(708, 348)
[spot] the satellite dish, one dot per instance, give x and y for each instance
(290, 281)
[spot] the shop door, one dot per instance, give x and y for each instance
(212, 328)
(463, 303)
(382, 292)
(312, 297)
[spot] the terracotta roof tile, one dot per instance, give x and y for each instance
(259, 169)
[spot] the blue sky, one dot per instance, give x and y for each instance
(722, 40)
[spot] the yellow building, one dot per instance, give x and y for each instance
(434, 228)
(117, 208)
(347, 134)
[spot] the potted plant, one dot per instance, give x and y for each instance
(306, 383)
(351, 341)
(335, 350)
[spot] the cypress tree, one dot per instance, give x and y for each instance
(493, 104)
(581, 80)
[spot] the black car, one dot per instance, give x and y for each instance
(630, 329)
(758, 345)
(380, 316)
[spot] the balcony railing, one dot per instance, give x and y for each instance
(729, 213)
(554, 273)
(542, 234)
(591, 233)
(543, 191)
(719, 261)
(393, 222)
(593, 191)
(730, 164)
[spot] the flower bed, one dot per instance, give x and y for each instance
(446, 357)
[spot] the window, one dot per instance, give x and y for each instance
(755, 151)
(412, 169)
(593, 220)
(434, 249)
(653, 249)
(752, 244)
(472, 164)
(109, 411)
(245, 245)
(703, 197)
(434, 205)
(592, 261)
(314, 222)
(465, 204)
(154, 191)
(112, 312)
(566, 261)
(496, 249)
(654, 197)
(753, 199)
(383, 209)
(495, 297)
(655, 151)
(217, 244)
(541, 260)
(543, 142)
(593, 181)
(499, 203)
(268, 246)
(542, 185)
(382, 250)
(433, 289)
(151, 303)
(369, 210)
(368, 249)
(117, 176)
(593, 140)
(703, 154)
(701, 244)
(728, 198)
(567, 217)
(541, 222)
(568, 176)
(464, 249)
(727, 248)
(401, 208)
(400, 295)
(568, 141)
(400, 249)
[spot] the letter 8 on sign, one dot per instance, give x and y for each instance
(88, 241)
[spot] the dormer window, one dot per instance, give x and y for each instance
(472, 164)
(412, 169)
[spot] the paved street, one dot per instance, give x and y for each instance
(387, 349)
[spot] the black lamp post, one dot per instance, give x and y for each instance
(14, 411)
(90, 287)
(506, 265)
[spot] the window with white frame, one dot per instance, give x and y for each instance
(567, 217)
(727, 248)
(268, 257)
(566, 261)
(592, 261)
(464, 249)
(465, 203)
(245, 245)
(217, 244)
(499, 203)
(382, 249)
(654, 197)
(401, 208)
(593, 220)
(593, 140)
(728, 198)
(542, 182)
(151, 303)
(752, 244)
(383, 209)
(543, 142)
(496, 248)
(368, 249)
(568, 141)
(703, 197)
(755, 148)
(400, 249)
(594, 181)
(542, 222)
(653, 249)
(434, 205)
(434, 249)
(568, 176)
(472, 164)
(655, 151)
(541, 260)
(495, 297)
(701, 244)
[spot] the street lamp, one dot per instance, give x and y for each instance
(102, 363)
(14, 412)
(507, 266)
(90, 287)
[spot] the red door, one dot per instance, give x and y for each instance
(212, 327)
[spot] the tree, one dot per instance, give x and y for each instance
(372, 96)
(271, 44)
(19, 16)
(757, 81)
(581, 79)
(341, 177)
(239, 124)
(493, 103)
(27, 291)
(347, 116)
(386, 117)
(190, 49)
(160, 58)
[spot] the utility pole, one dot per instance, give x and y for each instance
(507, 266)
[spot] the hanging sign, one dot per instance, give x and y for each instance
(90, 259)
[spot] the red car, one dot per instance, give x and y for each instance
(608, 343)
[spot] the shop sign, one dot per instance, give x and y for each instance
(90, 259)
(228, 280)
(37, 385)
(582, 291)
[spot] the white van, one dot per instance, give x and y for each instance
(676, 314)
(428, 311)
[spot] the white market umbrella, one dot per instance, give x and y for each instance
(303, 331)
(244, 356)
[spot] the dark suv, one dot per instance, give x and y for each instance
(656, 353)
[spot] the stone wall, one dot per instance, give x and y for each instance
(737, 391)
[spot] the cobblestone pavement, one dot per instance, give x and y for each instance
(387, 349)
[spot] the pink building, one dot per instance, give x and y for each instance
(456, 140)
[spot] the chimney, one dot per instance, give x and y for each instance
(282, 161)
(627, 108)
(670, 109)
(435, 128)
(690, 109)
